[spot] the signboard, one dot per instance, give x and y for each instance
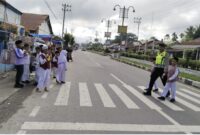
(108, 34)
(122, 29)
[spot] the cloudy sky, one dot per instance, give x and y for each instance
(159, 17)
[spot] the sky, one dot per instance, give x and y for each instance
(159, 17)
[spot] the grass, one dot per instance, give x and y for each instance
(146, 67)
(189, 76)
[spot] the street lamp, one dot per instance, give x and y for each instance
(108, 25)
(138, 21)
(123, 14)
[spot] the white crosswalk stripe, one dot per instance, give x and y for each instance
(85, 99)
(167, 103)
(105, 98)
(185, 103)
(63, 96)
(188, 97)
(125, 99)
(191, 93)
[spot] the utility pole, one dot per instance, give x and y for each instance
(108, 25)
(138, 21)
(66, 8)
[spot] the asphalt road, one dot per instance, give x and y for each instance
(103, 96)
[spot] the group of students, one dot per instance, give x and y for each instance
(165, 68)
(46, 60)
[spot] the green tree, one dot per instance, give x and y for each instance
(174, 37)
(190, 33)
(197, 32)
(129, 37)
(68, 39)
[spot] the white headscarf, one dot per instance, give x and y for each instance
(62, 58)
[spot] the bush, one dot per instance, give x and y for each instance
(134, 55)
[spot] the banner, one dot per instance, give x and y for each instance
(122, 29)
(108, 34)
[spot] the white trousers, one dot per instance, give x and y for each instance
(54, 71)
(44, 78)
(37, 73)
(170, 86)
(60, 74)
(26, 73)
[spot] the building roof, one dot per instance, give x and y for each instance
(10, 7)
(33, 21)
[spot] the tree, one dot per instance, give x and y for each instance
(68, 39)
(197, 32)
(129, 37)
(190, 33)
(181, 35)
(166, 38)
(174, 37)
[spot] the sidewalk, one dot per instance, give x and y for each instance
(7, 85)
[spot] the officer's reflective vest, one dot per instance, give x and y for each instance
(160, 59)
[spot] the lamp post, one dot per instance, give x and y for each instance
(66, 8)
(108, 25)
(138, 21)
(123, 14)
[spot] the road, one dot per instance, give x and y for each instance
(104, 96)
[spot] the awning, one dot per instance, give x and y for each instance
(185, 47)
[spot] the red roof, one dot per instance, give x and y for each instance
(33, 21)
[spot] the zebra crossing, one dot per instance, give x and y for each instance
(185, 98)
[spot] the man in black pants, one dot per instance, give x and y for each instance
(19, 63)
(160, 68)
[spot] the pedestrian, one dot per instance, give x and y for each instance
(37, 64)
(44, 70)
(172, 77)
(55, 63)
(161, 65)
(152, 59)
(26, 73)
(62, 67)
(19, 63)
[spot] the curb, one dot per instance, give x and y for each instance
(182, 80)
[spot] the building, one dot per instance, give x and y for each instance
(10, 18)
(37, 23)
(10, 22)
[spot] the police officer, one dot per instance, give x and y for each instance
(161, 65)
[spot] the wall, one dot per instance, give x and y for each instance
(44, 28)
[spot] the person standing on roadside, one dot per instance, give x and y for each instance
(161, 65)
(44, 70)
(26, 73)
(19, 63)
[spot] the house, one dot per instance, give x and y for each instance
(37, 23)
(10, 18)
(192, 46)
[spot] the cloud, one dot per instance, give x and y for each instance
(158, 17)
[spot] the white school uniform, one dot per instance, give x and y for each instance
(62, 66)
(37, 65)
(44, 74)
(26, 73)
(171, 85)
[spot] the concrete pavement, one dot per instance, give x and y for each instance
(105, 96)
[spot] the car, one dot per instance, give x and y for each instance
(83, 49)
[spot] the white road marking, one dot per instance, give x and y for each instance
(34, 111)
(188, 97)
(105, 98)
(99, 65)
(176, 124)
(44, 95)
(21, 132)
(188, 105)
(191, 93)
(145, 100)
(85, 99)
(63, 96)
(108, 127)
(118, 79)
(167, 103)
(125, 99)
